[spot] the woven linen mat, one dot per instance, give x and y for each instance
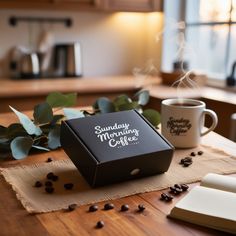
(22, 179)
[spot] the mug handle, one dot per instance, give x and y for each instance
(214, 117)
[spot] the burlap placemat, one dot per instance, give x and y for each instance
(22, 179)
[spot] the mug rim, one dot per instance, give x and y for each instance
(171, 101)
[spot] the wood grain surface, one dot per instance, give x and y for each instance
(15, 220)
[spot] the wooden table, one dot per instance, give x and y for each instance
(15, 220)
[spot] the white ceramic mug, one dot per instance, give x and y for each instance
(182, 122)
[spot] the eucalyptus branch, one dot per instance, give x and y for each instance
(43, 132)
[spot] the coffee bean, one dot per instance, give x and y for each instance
(186, 164)
(172, 189)
(49, 159)
(93, 208)
(100, 224)
(141, 207)
(108, 206)
(184, 187)
(188, 159)
(200, 153)
(50, 175)
(68, 186)
(185, 161)
(49, 189)
(177, 186)
(169, 198)
(38, 184)
(124, 207)
(163, 196)
(193, 154)
(48, 184)
(54, 178)
(72, 207)
(178, 191)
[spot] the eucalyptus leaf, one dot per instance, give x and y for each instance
(128, 106)
(28, 125)
(70, 99)
(40, 148)
(86, 113)
(3, 130)
(5, 150)
(143, 97)
(43, 113)
(20, 147)
(122, 99)
(41, 141)
(57, 99)
(54, 138)
(56, 118)
(95, 105)
(105, 105)
(72, 113)
(14, 130)
(152, 116)
(4, 140)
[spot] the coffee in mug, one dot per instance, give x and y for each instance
(182, 121)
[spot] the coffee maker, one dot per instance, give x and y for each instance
(67, 60)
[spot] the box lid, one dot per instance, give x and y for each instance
(118, 135)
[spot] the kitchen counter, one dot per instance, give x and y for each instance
(18, 88)
(24, 94)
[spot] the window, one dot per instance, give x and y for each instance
(209, 38)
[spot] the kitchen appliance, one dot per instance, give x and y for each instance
(29, 66)
(67, 60)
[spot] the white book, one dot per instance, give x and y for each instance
(212, 204)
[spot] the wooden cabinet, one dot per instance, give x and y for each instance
(74, 5)
(132, 6)
(97, 5)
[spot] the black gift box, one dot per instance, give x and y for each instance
(114, 147)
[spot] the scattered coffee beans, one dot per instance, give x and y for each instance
(141, 207)
(48, 184)
(108, 206)
(124, 207)
(93, 208)
(200, 153)
(72, 207)
(68, 186)
(49, 189)
(38, 184)
(175, 190)
(49, 159)
(100, 224)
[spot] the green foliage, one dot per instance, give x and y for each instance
(152, 116)
(57, 99)
(43, 131)
(21, 146)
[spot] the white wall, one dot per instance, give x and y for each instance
(112, 44)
